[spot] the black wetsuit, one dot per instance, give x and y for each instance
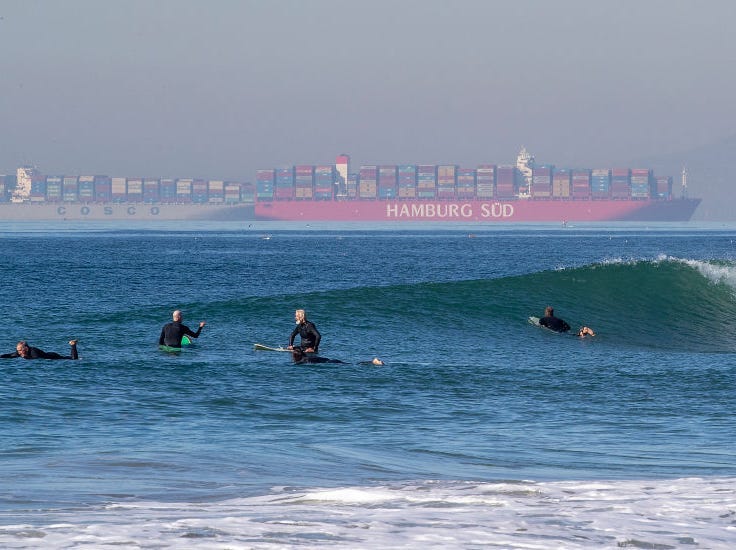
(173, 332)
(35, 353)
(554, 323)
(309, 334)
(316, 359)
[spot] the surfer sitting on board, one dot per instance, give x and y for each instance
(300, 357)
(553, 323)
(22, 349)
(307, 331)
(173, 332)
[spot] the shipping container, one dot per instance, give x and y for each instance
(485, 181)
(541, 186)
(103, 189)
(581, 184)
(324, 182)
(388, 182)
(70, 189)
(199, 191)
(135, 190)
(351, 188)
(119, 189)
(506, 181)
(663, 187)
(86, 189)
(215, 191)
(151, 190)
(265, 184)
(232, 192)
(184, 190)
(561, 184)
(167, 190)
(466, 183)
(600, 183)
(53, 189)
(368, 182)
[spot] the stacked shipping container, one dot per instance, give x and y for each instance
(407, 181)
(426, 181)
(485, 183)
(89, 189)
(324, 182)
(387, 182)
(368, 182)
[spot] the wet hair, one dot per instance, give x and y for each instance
(549, 311)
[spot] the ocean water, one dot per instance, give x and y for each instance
(480, 430)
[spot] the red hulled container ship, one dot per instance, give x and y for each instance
(524, 192)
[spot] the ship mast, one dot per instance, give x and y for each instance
(684, 182)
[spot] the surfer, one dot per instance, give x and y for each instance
(585, 331)
(553, 323)
(375, 361)
(300, 357)
(173, 332)
(309, 334)
(22, 349)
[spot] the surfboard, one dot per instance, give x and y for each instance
(169, 349)
(185, 340)
(535, 321)
(263, 347)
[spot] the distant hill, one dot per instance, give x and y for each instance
(711, 176)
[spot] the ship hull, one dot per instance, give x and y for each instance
(125, 212)
(519, 211)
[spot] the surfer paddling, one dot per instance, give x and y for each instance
(559, 325)
(553, 323)
(585, 331)
(24, 351)
(299, 357)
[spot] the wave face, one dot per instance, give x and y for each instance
(666, 303)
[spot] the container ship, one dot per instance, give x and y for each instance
(29, 195)
(488, 193)
(521, 192)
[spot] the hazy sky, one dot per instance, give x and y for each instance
(220, 88)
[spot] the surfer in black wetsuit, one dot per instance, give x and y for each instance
(300, 357)
(553, 323)
(23, 350)
(307, 331)
(173, 332)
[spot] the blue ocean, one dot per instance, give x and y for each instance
(479, 431)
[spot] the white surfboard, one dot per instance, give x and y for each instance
(263, 347)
